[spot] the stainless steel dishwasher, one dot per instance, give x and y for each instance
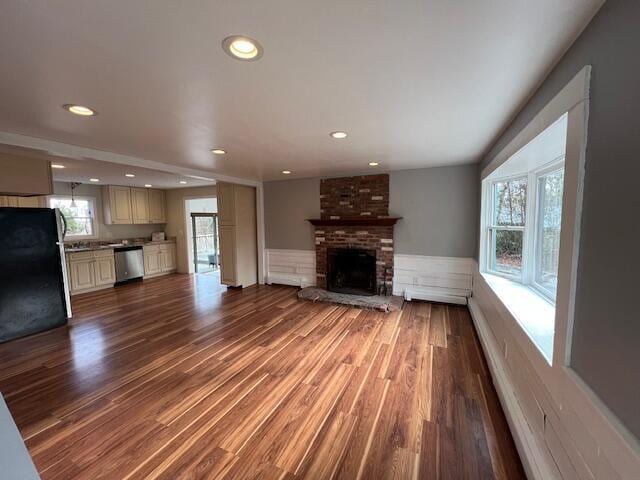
(129, 263)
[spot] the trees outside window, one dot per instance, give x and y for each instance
(79, 214)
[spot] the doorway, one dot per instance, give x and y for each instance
(204, 228)
(201, 222)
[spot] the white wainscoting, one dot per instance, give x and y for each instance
(577, 438)
(437, 279)
(291, 267)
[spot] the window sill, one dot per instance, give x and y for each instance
(533, 312)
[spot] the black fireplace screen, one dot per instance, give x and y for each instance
(351, 270)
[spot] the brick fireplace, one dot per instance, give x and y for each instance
(355, 215)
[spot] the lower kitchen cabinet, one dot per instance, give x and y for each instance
(159, 259)
(91, 270)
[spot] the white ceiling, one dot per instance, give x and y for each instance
(108, 173)
(415, 83)
(114, 174)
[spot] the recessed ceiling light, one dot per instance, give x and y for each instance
(373, 164)
(242, 47)
(79, 110)
(183, 182)
(218, 151)
(338, 134)
(57, 165)
(94, 179)
(130, 175)
(148, 185)
(286, 172)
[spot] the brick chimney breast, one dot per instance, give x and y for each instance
(356, 198)
(350, 197)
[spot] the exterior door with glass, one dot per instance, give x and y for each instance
(206, 255)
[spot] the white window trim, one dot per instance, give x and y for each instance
(94, 218)
(573, 99)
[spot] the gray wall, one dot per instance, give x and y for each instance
(438, 206)
(287, 205)
(606, 336)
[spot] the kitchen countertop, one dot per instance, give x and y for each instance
(115, 245)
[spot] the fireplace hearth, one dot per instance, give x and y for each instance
(351, 270)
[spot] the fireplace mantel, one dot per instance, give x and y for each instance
(354, 222)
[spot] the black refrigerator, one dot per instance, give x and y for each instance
(33, 280)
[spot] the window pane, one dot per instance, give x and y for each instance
(548, 229)
(510, 202)
(507, 251)
(79, 216)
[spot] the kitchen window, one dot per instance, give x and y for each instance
(79, 213)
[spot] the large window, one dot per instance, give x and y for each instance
(526, 250)
(79, 214)
(522, 217)
(506, 229)
(547, 239)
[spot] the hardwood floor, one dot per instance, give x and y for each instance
(178, 378)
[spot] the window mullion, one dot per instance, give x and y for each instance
(528, 251)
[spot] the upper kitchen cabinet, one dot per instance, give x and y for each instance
(13, 201)
(129, 205)
(139, 205)
(157, 209)
(24, 176)
(116, 202)
(227, 193)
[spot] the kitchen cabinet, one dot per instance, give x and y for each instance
(139, 205)
(133, 206)
(157, 209)
(13, 201)
(104, 270)
(228, 271)
(238, 234)
(22, 175)
(226, 203)
(91, 270)
(159, 259)
(168, 254)
(116, 202)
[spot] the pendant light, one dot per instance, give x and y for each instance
(73, 186)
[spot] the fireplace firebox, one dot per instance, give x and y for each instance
(351, 270)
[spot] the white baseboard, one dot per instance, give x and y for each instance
(534, 458)
(432, 295)
(436, 279)
(291, 267)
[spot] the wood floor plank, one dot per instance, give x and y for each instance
(177, 377)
